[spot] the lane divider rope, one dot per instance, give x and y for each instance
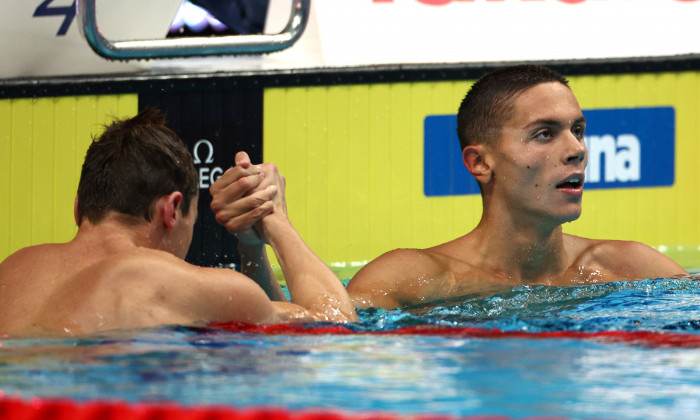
(639, 338)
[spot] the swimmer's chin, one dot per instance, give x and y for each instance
(570, 217)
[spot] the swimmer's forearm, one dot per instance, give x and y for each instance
(255, 264)
(312, 284)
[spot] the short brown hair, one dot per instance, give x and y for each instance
(489, 102)
(133, 163)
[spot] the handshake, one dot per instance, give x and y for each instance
(245, 195)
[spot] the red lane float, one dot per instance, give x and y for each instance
(637, 338)
(63, 409)
(38, 409)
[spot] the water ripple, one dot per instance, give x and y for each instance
(650, 305)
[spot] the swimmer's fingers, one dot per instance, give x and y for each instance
(251, 235)
(234, 184)
(238, 175)
(243, 226)
(242, 214)
(274, 177)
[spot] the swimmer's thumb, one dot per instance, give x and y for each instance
(242, 159)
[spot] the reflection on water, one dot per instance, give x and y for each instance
(406, 374)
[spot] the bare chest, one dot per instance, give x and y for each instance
(475, 281)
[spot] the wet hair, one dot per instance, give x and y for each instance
(489, 103)
(133, 163)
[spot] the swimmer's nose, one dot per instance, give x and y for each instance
(576, 152)
(577, 157)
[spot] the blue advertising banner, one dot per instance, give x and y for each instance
(627, 147)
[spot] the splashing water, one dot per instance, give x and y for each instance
(648, 305)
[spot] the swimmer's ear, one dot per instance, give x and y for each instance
(478, 162)
(171, 205)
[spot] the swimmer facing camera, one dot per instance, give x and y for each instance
(521, 131)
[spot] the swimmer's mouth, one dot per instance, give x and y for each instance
(572, 182)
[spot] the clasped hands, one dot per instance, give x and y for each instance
(245, 195)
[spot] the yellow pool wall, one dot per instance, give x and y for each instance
(353, 159)
(42, 146)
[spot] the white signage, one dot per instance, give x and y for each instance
(438, 31)
(203, 154)
(41, 38)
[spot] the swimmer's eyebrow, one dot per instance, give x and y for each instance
(580, 121)
(555, 123)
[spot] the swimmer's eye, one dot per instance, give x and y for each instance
(545, 134)
(578, 131)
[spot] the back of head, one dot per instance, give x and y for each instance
(490, 101)
(132, 164)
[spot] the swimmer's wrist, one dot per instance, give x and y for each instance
(250, 247)
(275, 226)
(275, 219)
(249, 238)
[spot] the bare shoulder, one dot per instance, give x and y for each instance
(629, 259)
(191, 292)
(388, 281)
(123, 290)
(31, 257)
(395, 266)
(27, 280)
(150, 288)
(33, 271)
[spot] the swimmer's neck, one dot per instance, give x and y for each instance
(116, 234)
(523, 253)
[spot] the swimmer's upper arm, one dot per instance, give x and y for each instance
(220, 294)
(232, 296)
(290, 312)
(654, 262)
(382, 283)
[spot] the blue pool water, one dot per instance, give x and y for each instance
(462, 376)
